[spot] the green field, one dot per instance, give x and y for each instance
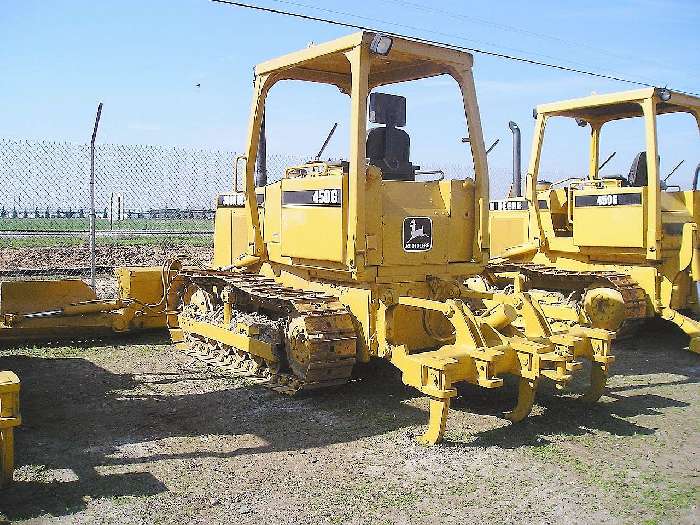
(103, 224)
(45, 241)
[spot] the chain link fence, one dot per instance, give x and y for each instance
(152, 203)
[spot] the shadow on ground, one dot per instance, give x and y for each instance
(658, 354)
(77, 417)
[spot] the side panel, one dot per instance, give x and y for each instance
(460, 197)
(230, 224)
(273, 226)
(508, 224)
(610, 217)
(313, 218)
(222, 237)
(415, 214)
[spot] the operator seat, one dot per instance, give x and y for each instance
(389, 147)
(638, 175)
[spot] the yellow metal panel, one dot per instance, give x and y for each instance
(373, 213)
(273, 213)
(508, 229)
(223, 235)
(460, 198)
(402, 200)
(142, 283)
(314, 230)
(610, 218)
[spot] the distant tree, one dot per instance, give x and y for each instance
(15, 215)
(36, 212)
(26, 213)
(81, 213)
(47, 215)
(105, 214)
(3, 213)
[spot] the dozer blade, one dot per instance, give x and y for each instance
(69, 310)
(26, 297)
(31, 311)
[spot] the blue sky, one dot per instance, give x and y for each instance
(143, 59)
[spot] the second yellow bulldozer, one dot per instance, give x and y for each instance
(634, 233)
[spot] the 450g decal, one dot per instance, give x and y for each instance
(606, 200)
(332, 196)
(326, 197)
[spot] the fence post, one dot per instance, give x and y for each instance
(92, 197)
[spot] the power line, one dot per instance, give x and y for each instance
(491, 45)
(415, 28)
(505, 56)
(514, 29)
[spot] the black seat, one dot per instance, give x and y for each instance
(388, 147)
(638, 175)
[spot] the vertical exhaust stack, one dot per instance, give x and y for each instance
(517, 169)
(261, 161)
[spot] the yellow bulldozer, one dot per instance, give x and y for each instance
(633, 233)
(339, 262)
(342, 261)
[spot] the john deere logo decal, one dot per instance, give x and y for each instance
(417, 234)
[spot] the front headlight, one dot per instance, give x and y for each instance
(381, 45)
(664, 94)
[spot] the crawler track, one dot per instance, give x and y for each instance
(312, 333)
(548, 278)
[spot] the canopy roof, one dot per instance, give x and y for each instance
(620, 105)
(327, 63)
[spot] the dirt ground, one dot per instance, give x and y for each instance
(132, 432)
(116, 255)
